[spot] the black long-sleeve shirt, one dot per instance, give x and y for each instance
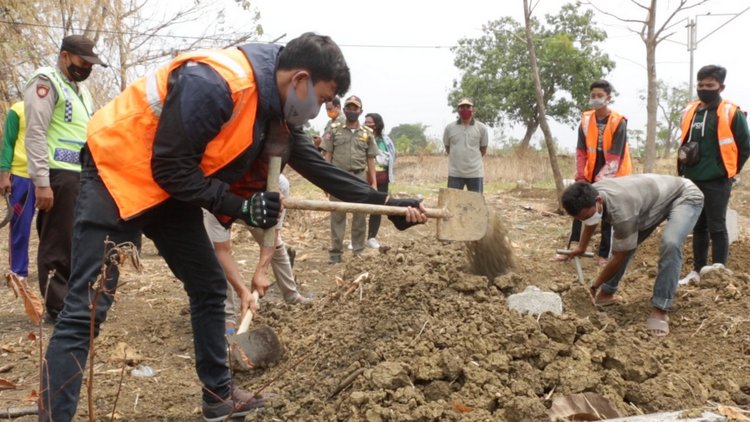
(198, 104)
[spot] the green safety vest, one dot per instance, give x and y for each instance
(66, 133)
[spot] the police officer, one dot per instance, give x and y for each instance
(333, 109)
(351, 147)
(58, 108)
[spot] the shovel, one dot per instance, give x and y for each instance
(577, 261)
(257, 348)
(461, 215)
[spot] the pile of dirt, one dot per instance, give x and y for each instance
(436, 342)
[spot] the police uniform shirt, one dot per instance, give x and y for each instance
(350, 148)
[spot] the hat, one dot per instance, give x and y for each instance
(82, 46)
(353, 100)
(465, 101)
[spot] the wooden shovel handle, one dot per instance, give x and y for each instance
(248, 318)
(272, 185)
(313, 205)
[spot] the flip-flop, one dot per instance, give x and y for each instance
(614, 300)
(559, 258)
(657, 327)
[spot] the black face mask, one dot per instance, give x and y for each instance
(351, 116)
(708, 96)
(77, 73)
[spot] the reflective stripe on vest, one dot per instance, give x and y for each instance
(66, 132)
(591, 130)
(122, 133)
(727, 146)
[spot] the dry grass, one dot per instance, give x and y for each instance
(425, 174)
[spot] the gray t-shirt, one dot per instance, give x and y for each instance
(642, 201)
(464, 157)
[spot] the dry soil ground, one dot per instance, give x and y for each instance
(435, 342)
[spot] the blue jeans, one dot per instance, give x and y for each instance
(176, 229)
(680, 223)
(473, 184)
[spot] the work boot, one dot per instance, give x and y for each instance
(238, 405)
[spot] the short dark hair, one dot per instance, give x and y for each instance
(336, 101)
(379, 125)
(601, 83)
(712, 71)
(578, 196)
(319, 55)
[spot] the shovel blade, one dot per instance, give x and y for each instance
(468, 215)
(257, 348)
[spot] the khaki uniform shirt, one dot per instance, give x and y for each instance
(39, 98)
(350, 148)
(340, 120)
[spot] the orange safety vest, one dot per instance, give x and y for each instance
(121, 134)
(727, 146)
(588, 124)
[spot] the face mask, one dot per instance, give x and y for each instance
(708, 96)
(465, 113)
(594, 219)
(297, 112)
(77, 73)
(597, 103)
(352, 116)
(332, 114)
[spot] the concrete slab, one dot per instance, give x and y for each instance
(535, 302)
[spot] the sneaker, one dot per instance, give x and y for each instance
(238, 405)
(715, 267)
(373, 243)
(692, 277)
(349, 246)
(334, 259)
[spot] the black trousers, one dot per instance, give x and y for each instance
(712, 223)
(606, 244)
(177, 230)
(55, 230)
(374, 223)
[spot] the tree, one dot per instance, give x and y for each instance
(495, 69)
(133, 36)
(652, 34)
(540, 103)
(672, 101)
(410, 138)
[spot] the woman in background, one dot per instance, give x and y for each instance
(384, 166)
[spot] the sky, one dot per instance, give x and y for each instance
(411, 85)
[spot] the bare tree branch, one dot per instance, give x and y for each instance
(612, 15)
(677, 10)
(639, 5)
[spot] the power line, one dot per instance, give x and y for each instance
(216, 38)
(113, 32)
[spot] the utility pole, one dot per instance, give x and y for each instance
(693, 41)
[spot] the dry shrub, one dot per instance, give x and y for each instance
(492, 255)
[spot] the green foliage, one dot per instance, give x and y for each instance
(495, 68)
(410, 138)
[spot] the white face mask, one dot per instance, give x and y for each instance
(597, 103)
(594, 219)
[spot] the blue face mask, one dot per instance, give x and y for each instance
(297, 112)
